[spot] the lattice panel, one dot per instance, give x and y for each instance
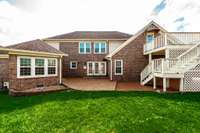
(192, 81)
(173, 53)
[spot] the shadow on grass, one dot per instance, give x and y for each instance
(9, 103)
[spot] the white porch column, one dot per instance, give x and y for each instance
(154, 82)
(167, 83)
(164, 84)
(150, 58)
(60, 70)
(181, 85)
(167, 53)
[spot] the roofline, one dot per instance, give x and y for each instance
(4, 56)
(134, 37)
(86, 39)
(32, 53)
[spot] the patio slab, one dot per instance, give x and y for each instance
(132, 86)
(87, 84)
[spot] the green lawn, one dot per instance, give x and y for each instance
(109, 112)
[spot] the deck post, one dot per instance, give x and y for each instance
(181, 85)
(150, 58)
(165, 39)
(164, 84)
(154, 82)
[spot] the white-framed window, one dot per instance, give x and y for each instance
(84, 47)
(73, 64)
(100, 47)
(33, 67)
(39, 66)
(25, 66)
(118, 67)
(52, 66)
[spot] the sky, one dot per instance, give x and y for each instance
(23, 20)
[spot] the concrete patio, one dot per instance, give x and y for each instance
(93, 84)
(90, 84)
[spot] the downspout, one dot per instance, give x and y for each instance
(60, 81)
(111, 69)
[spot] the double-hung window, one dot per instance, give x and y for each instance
(118, 67)
(73, 64)
(85, 47)
(33, 67)
(25, 67)
(39, 67)
(100, 47)
(51, 66)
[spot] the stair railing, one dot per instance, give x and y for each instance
(146, 72)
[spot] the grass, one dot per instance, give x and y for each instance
(101, 112)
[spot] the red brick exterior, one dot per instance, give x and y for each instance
(133, 60)
(3, 71)
(72, 49)
(27, 83)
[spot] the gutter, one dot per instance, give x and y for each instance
(29, 52)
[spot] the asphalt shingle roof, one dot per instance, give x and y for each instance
(93, 35)
(35, 45)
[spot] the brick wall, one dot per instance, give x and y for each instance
(72, 49)
(3, 71)
(28, 83)
(133, 60)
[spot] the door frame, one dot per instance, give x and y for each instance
(93, 68)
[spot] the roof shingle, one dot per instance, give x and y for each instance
(35, 45)
(93, 35)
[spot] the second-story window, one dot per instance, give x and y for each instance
(150, 37)
(100, 48)
(84, 47)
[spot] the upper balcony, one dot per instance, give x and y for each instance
(170, 39)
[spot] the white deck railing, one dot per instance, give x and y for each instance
(187, 37)
(158, 42)
(171, 38)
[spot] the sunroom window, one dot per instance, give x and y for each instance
(51, 66)
(39, 67)
(33, 67)
(25, 67)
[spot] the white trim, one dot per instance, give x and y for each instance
(33, 67)
(4, 56)
(100, 45)
(84, 43)
(71, 64)
(120, 66)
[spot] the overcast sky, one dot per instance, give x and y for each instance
(22, 20)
